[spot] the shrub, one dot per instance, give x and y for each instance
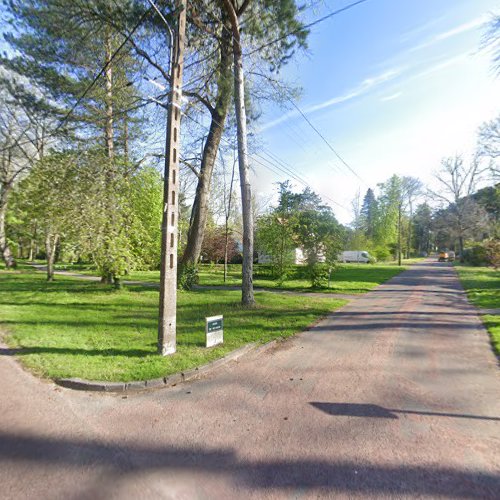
(492, 248)
(381, 253)
(476, 255)
(187, 277)
(318, 274)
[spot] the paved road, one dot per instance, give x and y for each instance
(396, 395)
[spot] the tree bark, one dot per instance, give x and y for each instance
(125, 139)
(7, 256)
(247, 295)
(109, 132)
(50, 249)
(400, 209)
(33, 252)
(228, 214)
(107, 274)
(199, 211)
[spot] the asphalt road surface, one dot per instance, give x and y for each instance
(396, 395)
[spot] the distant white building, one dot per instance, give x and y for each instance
(299, 257)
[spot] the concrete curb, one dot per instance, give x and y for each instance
(158, 383)
(177, 378)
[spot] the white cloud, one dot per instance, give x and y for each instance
(458, 30)
(443, 64)
(391, 97)
(363, 88)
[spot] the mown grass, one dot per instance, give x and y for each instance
(345, 278)
(74, 328)
(482, 285)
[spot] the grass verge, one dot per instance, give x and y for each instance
(74, 328)
(482, 285)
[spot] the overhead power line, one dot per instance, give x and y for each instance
(276, 166)
(282, 37)
(307, 26)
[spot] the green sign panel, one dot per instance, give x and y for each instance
(215, 325)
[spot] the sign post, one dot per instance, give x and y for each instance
(214, 330)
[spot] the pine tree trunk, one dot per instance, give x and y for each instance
(247, 295)
(107, 274)
(199, 211)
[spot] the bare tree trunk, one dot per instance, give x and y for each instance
(7, 256)
(199, 211)
(50, 249)
(400, 208)
(32, 252)
(247, 296)
(125, 139)
(228, 214)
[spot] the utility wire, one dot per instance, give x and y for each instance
(289, 98)
(306, 26)
(287, 170)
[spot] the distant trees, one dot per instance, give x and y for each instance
(489, 145)
(422, 229)
(457, 181)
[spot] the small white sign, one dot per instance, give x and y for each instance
(214, 330)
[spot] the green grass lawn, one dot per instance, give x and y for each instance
(483, 289)
(346, 278)
(74, 328)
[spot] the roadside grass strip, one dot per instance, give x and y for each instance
(78, 329)
(482, 285)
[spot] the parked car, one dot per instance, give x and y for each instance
(361, 256)
(443, 256)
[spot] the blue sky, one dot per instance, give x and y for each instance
(393, 85)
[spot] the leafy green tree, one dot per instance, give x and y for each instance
(146, 200)
(300, 220)
(386, 229)
(61, 46)
(276, 231)
(48, 197)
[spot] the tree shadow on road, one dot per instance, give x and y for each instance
(331, 476)
(376, 411)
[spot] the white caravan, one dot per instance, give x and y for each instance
(360, 256)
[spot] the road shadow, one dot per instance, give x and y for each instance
(332, 476)
(376, 411)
